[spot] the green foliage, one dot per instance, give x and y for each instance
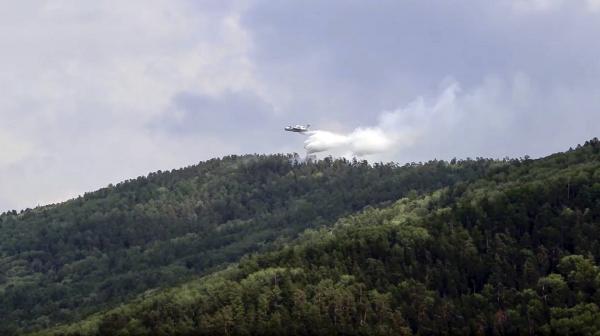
(513, 252)
(63, 262)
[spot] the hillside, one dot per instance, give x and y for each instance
(511, 252)
(59, 263)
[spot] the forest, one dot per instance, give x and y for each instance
(61, 262)
(255, 244)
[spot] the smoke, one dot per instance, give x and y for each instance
(395, 130)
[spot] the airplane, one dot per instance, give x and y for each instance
(297, 128)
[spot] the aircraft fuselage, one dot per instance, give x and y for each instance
(297, 128)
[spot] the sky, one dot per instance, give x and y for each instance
(97, 92)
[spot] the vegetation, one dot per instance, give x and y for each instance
(499, 248)
(511, 253)
(60, 263)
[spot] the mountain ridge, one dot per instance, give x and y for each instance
(512, 252)
(64, 262)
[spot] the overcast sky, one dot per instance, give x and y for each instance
(94, 92)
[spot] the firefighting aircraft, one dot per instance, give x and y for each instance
(297, 128)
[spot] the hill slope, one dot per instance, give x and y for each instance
(513, 252)
(62, 262)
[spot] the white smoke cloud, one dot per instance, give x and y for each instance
(396, 130)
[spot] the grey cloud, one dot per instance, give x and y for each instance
(229, 112)
(349, 61)
(234, 117)
(426, 40)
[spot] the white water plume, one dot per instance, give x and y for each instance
(395, 130)
(362, 141)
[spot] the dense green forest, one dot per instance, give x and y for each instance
(466, 247)
(60, 263)
(513, 251)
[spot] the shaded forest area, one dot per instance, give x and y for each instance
(60, 263)
(512, 252)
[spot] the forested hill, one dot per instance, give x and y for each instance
(59, 263)
(513, 251)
